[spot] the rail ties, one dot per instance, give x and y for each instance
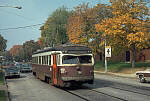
(76, 95)
(130, 91)
(109, 95)
(98, 92)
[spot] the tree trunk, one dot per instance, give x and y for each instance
(133, 55)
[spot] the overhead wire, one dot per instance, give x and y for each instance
(28, 26)
(26, 18)
(20, 27)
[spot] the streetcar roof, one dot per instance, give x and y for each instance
(67, 49)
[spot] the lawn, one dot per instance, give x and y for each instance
(2, 96)
(120, 66)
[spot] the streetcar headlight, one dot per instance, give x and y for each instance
(62, 70)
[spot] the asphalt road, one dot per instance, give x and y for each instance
(105, 88)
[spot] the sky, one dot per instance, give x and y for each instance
(32, 12)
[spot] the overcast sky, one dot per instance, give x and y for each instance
(32, 12)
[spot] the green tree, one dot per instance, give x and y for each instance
(2, 43)
(54, 30)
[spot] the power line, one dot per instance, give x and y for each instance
(26, 18)
(22, 27)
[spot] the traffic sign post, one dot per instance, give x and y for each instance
(107, 54)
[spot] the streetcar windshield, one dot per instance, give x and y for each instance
(68, 59)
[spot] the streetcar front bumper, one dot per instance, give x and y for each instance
(78, 78)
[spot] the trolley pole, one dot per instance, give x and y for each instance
(105, 57)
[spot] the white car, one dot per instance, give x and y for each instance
(143, 75)
(26, 68)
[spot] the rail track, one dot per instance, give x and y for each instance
(86, 98)
(81, 93)
(130, 88)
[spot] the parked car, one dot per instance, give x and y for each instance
(18, 65)
(12, 71)
(26, 68)
(5, 65)
(143, 75)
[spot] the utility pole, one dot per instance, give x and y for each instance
(105, 56)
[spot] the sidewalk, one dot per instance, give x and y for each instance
(116, 74)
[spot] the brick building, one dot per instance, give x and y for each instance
(141, 56)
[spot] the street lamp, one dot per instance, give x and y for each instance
(18, 7)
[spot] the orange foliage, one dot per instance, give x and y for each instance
(74, 29)
(80, 24)
(125, 28)
(40, 41)
(14, 51)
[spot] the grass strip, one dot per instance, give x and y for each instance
(1, 78)
(2, 96)
(118, 66)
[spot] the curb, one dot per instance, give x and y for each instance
(132, 76)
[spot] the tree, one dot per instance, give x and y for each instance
(14, 51)
(7, 55)
(128, 28)
(54, 30)
(28, 48)
(81, 26)
(2, 43)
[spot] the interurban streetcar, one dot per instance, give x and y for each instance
(64, 65)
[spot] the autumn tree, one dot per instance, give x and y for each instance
(54, 30)
(17, 53)
(14, 51)
(28, 48)
(128, 28)
(81, 26)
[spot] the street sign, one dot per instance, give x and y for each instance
(108, 51)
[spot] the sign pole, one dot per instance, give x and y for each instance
(105, 57)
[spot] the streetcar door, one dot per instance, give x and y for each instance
(54, 70)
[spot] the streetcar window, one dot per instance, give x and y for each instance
(39, 59)
(47, 60)
(85, 59)
(36, 61)
(77, 59)
(42, 59)
(70, 60)
(50, 60)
